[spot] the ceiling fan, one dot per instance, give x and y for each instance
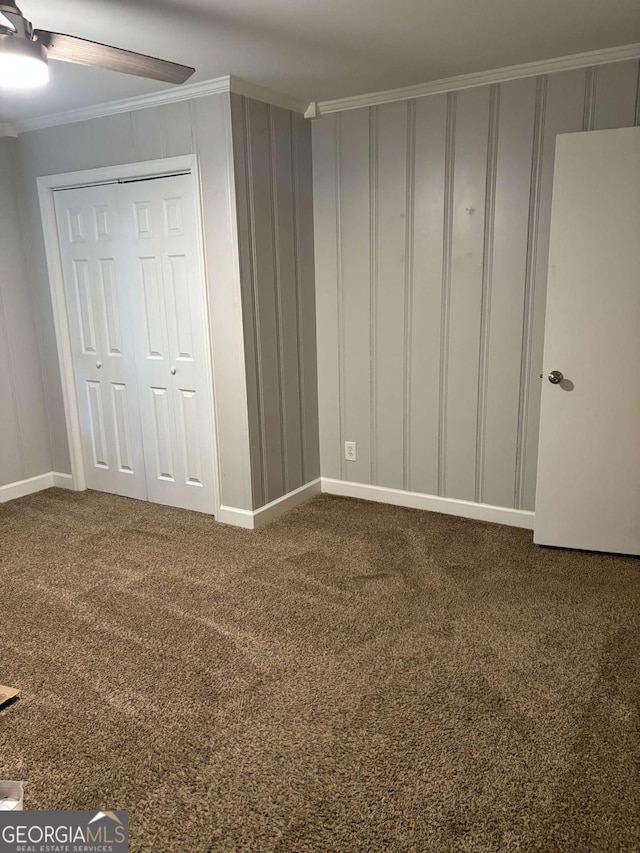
(24, 53)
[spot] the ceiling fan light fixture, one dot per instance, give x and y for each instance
(25, 53)
(23, 63)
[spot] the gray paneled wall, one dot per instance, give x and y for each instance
(25, 448)
(201, 126)
(272, 156)
(431, 242)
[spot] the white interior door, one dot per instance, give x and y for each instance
(171, 341)
(101, 339)
(138, 321)
(588, 487)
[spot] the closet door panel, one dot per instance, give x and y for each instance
(101, 339)
(168, 302)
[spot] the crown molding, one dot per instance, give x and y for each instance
(469, 81)
(267, 96)
(126, 105)
(317, 109)
(169, 96)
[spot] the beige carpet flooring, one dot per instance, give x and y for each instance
(353, 677)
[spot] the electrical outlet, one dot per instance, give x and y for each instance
(350, 451)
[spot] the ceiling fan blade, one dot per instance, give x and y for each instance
(84, 52)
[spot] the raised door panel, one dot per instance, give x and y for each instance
(149, 279)
(188, 430)
(163, 441)
(102, 458)
(121, 404)
(180, 319)
(85, 307)
(111, 310)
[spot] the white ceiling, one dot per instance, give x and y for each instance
(316, 49)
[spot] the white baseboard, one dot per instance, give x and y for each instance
(235, 517)
(418, 500)
(62, 481)
(252, 519)
(272, 510)
(35, 484)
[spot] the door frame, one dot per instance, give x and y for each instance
(47, 184)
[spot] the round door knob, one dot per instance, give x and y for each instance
(98, 364)
(173, 371)
(555, 377)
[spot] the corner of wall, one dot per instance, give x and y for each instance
(24, 397)
(272, 166)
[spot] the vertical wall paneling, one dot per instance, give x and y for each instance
(373, 292)
(211, 138)
(28, 210)
(445, 310)
(408, 288)
(487, 287)
(391, 219)
(325, 218)
(246, 255)
(590, 87)
(277, 292)
(275, 228)
(514, 185)
(355, 211)
(563, 113)
(467, 244)
(25, 448)
(177, 129)
(147, 127)
(164, 131)
(287, 294)
(12, 454)
(340, 292)
(107, 141)
(265, 297)
(426, 292)
(436, 229)
(305, 295)
(615, 95)
(533, 227)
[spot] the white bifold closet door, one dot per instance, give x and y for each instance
(137, 317)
